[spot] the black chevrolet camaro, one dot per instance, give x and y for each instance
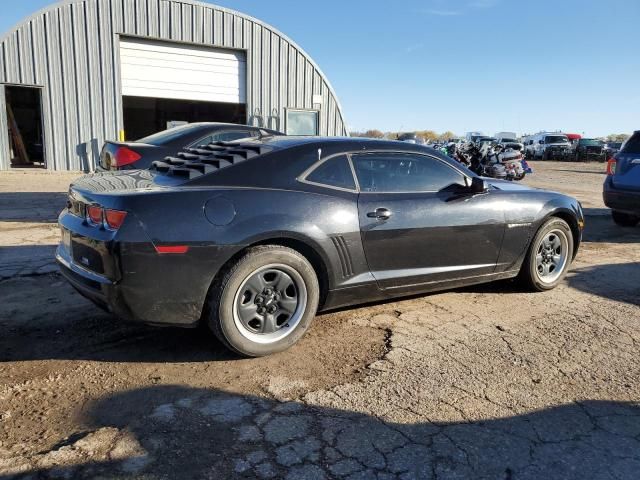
(254, 237)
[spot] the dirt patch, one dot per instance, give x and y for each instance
(61, 352)
(489, 381)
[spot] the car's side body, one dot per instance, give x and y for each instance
(169, 142)
(434, 240)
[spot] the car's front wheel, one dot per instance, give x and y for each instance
(549, 256)
(625, 219)
(265, 302)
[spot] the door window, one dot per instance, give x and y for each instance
(389, 172)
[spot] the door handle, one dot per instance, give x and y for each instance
(380, 214)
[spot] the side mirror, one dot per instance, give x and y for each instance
(478, 185)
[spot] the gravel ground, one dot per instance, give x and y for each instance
(484, 382)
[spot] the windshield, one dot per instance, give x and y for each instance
(614, 144)
(590, 141)
(556, 139)
(166, 136)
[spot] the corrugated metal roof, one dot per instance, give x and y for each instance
(71, 49)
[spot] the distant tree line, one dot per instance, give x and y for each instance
(617, 137)
(432, 136)
(424, 134)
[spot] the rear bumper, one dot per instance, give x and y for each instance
(131, 304)
(626, 201)
(96, 288)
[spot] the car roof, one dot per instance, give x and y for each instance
(239, 126)
(201, 161)
(287, 142)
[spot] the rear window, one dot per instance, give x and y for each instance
(166, 136)
(590, 142)
(633, 144)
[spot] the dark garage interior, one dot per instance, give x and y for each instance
(145, 116)
(24, 118)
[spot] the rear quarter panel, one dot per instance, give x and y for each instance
(324, 221)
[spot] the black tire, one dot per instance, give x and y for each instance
(221, 314)
(625, 219)
(529, 274)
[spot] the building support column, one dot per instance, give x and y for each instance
(5, 153)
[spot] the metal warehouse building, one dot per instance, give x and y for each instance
(84, 71)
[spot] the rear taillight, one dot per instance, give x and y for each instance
(94, 214)
(611, 166)
(124, 156)
(105, 217)
(114, 218)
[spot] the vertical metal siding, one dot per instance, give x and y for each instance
(71, 50)
(4, 127)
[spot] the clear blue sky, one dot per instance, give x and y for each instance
(460, 65)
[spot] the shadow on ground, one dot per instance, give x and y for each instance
(31, 206)
(600, 228)
(180, 432)
(616, 281)
(63, 325)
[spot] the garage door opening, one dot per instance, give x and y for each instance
(24, 118)
(145, 116)
(166, 84)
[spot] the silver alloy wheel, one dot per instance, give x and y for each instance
(552, 255)
(270, 303)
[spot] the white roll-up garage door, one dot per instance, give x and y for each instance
(171, 70)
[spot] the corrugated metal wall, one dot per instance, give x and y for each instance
(4, 139)
(71, 49)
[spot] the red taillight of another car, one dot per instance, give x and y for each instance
(124, 156)
(105, 217)
(611, 166)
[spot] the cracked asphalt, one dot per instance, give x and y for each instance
(488, 382)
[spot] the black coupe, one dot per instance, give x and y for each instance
(254, 237)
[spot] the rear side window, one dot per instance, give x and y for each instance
(384, 172)
(632, 145)
(335, 172)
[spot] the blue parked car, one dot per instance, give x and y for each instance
(622, 186)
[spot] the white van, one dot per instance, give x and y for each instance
(548, 146)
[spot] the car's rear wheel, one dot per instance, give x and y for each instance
(265, 302)
(549, 256)
(625, 219)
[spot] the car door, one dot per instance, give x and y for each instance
(419, 222)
